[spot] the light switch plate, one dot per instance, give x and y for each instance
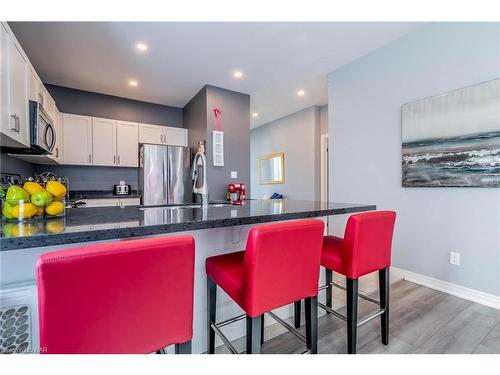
(454, 258)
(234, 174)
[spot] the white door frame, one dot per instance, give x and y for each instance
(324, 168)
(324, 176)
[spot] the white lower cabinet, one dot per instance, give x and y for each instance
(112, 202)
(129, 202)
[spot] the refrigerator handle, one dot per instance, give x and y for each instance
(165, 179)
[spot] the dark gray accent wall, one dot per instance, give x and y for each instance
(235, 108)
(93, 178)
(87, 103)
(195, 118)
(199, 120)
(9, 164)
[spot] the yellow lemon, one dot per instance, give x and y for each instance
(54, 208)
(24, 210)
(32, 187)
(55, 188)
(55, 226)
(22, 230)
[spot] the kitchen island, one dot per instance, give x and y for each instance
(218, 229)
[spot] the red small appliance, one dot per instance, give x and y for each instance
(236, 193)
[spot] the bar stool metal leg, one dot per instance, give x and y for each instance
(184, 348)
(253, 334)
(329, 289)
(311, 307)
(383, 278)
(262, 330)
(211, 308)
(296, 313)
(352, 314)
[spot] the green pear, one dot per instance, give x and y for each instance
(7, 211)
(41, 198)
(16, 195)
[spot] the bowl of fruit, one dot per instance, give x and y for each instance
(33, 200)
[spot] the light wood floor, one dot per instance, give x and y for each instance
(422, 320)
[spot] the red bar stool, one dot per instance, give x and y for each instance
(279, 266)
(120, 297)
(365, 248)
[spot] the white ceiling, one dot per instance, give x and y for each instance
(277, 59)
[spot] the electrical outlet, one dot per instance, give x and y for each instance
(234, 174)
(454, 258)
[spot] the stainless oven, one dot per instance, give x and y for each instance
(42, 130)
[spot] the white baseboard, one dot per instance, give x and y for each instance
(482, 298)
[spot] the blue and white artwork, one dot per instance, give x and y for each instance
(453, 140)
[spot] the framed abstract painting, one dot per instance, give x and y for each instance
(453, 140)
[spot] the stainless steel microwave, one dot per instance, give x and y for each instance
(42, 130)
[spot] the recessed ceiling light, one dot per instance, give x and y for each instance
(255, 114)
(237, 74)
(132, 83)
(141, 47)
(301, 93)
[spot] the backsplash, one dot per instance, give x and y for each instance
(10, 164)
(93, 178)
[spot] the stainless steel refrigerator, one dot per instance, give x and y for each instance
(165, 175)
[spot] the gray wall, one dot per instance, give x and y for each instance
(365, 99)
(297, 135)
(199, 120)
(99, 105)
(323, 120)
(8, 164)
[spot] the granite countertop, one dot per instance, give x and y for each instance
(107, 223)
(99, 194)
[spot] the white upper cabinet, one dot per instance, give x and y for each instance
(127, 144)
(32, 85)
(103, 141)
(77, 139)
(176, 136)
(151, 134)
(4, 115)
(162, 135)
(14, 92)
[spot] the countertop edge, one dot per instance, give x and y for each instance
(12, 244)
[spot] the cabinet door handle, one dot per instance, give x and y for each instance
(118, 159)
(114, 159)
(90, 158)
(57, 152)
(15, 117)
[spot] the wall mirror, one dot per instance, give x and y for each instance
(272, 169)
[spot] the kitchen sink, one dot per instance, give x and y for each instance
(186, 206)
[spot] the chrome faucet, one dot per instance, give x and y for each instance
(203, 190)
